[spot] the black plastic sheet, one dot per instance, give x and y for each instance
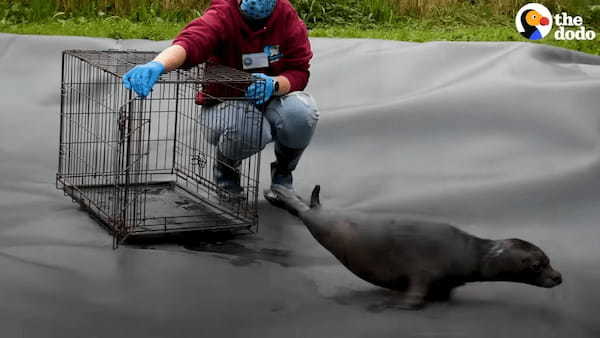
(500, 139)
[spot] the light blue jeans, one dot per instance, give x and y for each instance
(290, 120)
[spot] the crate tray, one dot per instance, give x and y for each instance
(169, 209)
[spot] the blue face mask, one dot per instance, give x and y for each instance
(257, 9)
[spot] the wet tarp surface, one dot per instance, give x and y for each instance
(501, 139)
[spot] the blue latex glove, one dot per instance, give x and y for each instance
(262, 92)
(143, 77)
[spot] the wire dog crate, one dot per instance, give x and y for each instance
(144, 166)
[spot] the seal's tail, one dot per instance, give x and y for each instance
(314, 197)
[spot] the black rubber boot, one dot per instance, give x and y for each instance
(227, 174)
(286, 161)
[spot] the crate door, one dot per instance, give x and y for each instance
(92, 147)
(132, 174)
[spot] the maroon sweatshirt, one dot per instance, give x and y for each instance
(221, 35)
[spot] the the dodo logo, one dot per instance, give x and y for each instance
(534, 21)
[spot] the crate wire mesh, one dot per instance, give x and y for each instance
(144, 166)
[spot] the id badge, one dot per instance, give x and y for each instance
(255, 60)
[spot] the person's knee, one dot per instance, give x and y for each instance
(214, 122)
(298, 115)
(237, 129)
(245, 140)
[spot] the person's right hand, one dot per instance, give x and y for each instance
(143, 77)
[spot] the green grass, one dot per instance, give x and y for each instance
(408, 30)
(312, 11)
(407, 20)
(115, 28)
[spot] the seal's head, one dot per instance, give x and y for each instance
(516, 260)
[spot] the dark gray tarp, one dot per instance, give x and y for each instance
(501, 139)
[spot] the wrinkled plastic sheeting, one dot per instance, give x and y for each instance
(501, 139)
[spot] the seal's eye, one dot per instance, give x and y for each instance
(537, 267)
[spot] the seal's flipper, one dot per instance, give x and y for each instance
(314, 197)
(286, 199)
(272, 198)
(418, 288)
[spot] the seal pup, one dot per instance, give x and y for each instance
(422, 260)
